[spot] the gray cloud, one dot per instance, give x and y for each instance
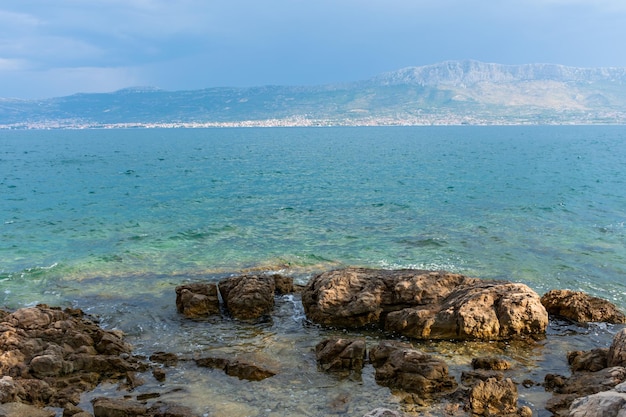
(50, 48)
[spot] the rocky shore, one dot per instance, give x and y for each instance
(49, 357)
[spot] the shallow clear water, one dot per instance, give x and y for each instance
(112, 220)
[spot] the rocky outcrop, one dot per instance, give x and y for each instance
(424, 304)
(245, 297)
(581, 307)
(49, 356)
(237, 368)
(197, 300)
(399, 366)
(337, 355)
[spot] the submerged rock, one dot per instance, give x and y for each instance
(235, 367)
(581, 307)
(424, 304)
(491, 364)
(108, 407)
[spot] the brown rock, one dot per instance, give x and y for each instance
(108, 407)
(238, 368)
(168, 359)
(283, 284)
(49, 356)
(494, 398)
(590, 361)
(248, 296)
(411, 371)
(617, 352)
(355, 297)
(471, 378)
(581, 307)
(341, 354)
(424, 304)
(197, 300)
(249, 371)
(160, 409)
(480, 310)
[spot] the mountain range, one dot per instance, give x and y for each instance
(452, 92)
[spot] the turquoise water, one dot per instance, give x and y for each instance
(112, 220)
(541, 205)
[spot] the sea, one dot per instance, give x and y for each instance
(112, 220)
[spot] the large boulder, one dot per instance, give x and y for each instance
(399, 366)
(424, 304)
(248, 296)
(355, 297)
(581, 307)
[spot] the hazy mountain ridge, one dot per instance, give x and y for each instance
(468, 73)
(453, 92)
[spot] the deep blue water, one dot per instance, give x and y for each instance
(542, 205)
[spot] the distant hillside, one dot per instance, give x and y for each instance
(454, 92)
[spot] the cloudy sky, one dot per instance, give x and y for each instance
(60, 47)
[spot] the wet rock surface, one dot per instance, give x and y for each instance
(581, 307)
(424, 304)
(49, 356)
(236, 367)
(400, 366)
(587, 380)
(337, 355)
(248, 296)
(197, 300)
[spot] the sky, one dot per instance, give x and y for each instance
(51, 48)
